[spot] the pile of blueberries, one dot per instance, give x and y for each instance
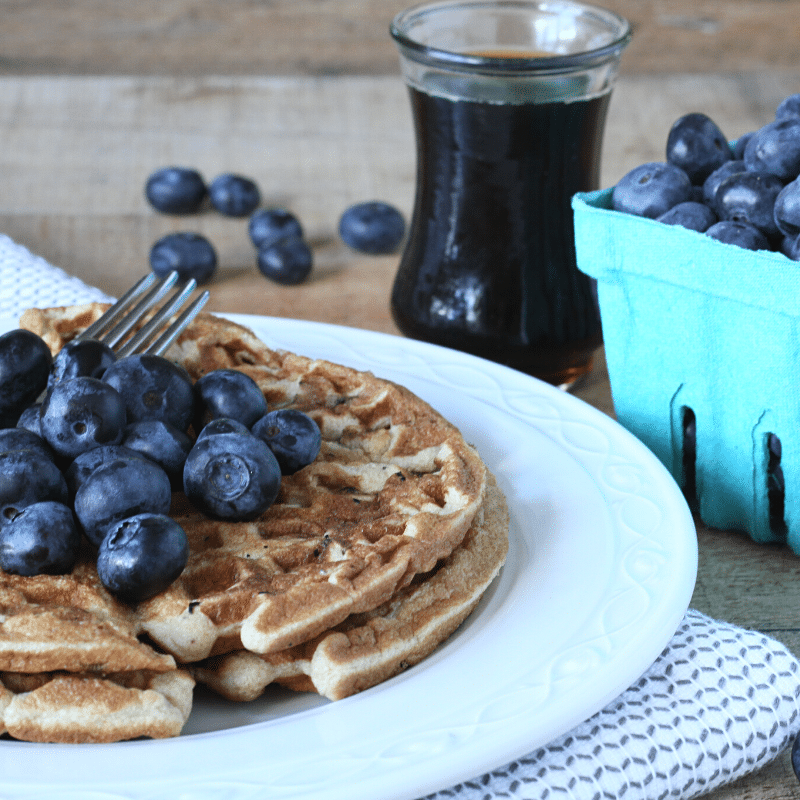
(747, 194)
(92, 448)
(283, 254)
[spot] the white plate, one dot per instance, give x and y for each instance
(600, 571)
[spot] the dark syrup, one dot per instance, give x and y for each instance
(491, 256)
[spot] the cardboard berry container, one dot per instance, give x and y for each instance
(697, 329)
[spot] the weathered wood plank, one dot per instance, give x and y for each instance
(335, 37)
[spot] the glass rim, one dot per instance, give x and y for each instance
(473, 62)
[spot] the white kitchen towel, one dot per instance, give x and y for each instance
(29, 281)
(718, 703)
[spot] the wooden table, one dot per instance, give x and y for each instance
(305, 97)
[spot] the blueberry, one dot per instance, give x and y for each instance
(796, 756)
(740, 144)
(651, 189)
(692, 215)
(789, 107)
(292, 436)
(162, 443)
(269, 224)
(42, 538)
(31, 419)
(775, 148)
(741, 234)
(120, 489)
(374, 227)
(287, 260)
(793, 250)
(228, 393)
(787, 209)
(141, 556)
(176, 190)
(153, 387)
(697, 145)
(786, 245)
(80, 414)
(231, 476)
(24, 366)
(189, 254)
(81, 358)
(86, 463)
(750, 197)
(24, 439)
(712, 182)
(234, 195)
(28, 477)
(222, 425)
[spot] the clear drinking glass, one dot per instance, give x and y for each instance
(509, 100)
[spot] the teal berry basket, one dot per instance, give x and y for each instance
(697, 330)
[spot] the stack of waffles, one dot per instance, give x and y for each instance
(369, 559)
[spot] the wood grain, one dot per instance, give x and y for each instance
(335, 37)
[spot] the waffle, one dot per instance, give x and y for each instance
(72, 668)
(369, 648)
(393, 492)
(70, 622)
(74, 707)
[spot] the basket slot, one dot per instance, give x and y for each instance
(776, 487)
(689, 456)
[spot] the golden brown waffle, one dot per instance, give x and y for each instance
(394, 491)
(70, 622)
(70, 707)
(371, 647)
(72, 668)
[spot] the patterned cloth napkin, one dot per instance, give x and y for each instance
(718, 703)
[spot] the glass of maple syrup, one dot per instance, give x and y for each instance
(509, 100)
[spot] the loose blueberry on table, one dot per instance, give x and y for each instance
(374, 227)
(269, 224)
(234, 195)
(287, 260)
(191, 255)
(176, 190)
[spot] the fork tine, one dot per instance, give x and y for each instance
(176, 328)
(120, 307)
(116, 334)
(138, 341)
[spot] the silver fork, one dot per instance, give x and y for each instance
(145, 295)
